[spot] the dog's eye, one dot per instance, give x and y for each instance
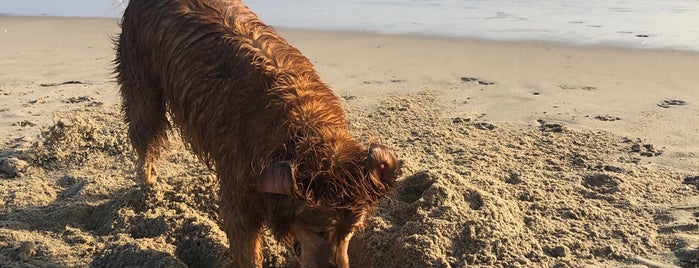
(323, 234)
(297, 249)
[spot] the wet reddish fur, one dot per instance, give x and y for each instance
(242, 98)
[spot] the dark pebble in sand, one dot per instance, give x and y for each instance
(484, 126)
(457, 120)
(607, 118)
(551, 127)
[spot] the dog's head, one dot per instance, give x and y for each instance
(319, 212)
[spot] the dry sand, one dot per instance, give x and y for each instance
(516, 154)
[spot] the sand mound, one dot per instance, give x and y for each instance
(472, 193)
(484, 194)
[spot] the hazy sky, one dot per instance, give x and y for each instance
(69, 8)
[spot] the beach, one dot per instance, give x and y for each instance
(516, 153)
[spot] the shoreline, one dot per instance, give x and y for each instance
(568, 44)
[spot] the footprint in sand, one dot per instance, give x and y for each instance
(586, 88)
(23, 123)
(71, 82)
(90, 101)
(647, 150)
(550, 127)
(671, 103)
(607, 118)
(481, 82)
(78, 99)
(680, 224)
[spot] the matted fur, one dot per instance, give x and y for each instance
(242, 98)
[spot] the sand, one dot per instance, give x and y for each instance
(515, 154)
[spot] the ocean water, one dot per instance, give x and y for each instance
(668, 24)
(672, 24)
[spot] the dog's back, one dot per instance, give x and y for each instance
(216, 68)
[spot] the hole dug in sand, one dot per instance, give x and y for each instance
(412, 187)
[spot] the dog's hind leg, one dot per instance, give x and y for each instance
(145, 112)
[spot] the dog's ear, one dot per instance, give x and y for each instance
(383, 165)
(277, 178)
